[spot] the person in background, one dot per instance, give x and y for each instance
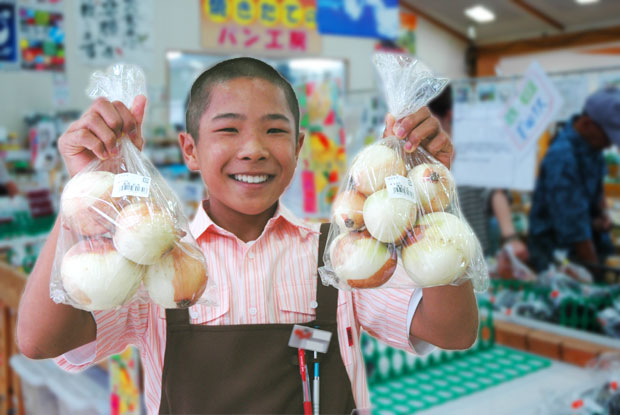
(568, 205)
(479, 204)
(7, 185)
(243, 137)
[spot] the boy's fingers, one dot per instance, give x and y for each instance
(96, 125)
(437, 143)
(88, 140)
(137, 108)
(403, 127)
(427, 130)
(109, 114)
(389, 125)
(129, 121)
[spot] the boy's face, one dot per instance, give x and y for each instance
(246, 150)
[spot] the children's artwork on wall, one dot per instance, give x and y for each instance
(113, 30)
(8, 34)
(41, 35)
(125, 382)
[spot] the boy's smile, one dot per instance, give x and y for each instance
(247, 149)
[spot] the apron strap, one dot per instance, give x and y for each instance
(326, 295)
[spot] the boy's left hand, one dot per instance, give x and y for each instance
(422, 128)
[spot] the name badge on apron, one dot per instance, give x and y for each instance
(309, 338)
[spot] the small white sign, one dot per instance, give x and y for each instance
(400, 187)
(309, 338)
(533, 108)
(129, 184)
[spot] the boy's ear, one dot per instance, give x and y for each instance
(300, 142)
(189, 150)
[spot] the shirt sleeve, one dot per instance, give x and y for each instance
(116, 329)
(387, 313)
(567, 199)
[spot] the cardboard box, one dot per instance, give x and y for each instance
(511, 334)
(545, 344)
(579, 352)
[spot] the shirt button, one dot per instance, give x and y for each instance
(253, 311)
(193, 314)
(314, 304)
(251, 255)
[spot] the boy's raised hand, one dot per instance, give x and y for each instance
(96, 133)
(421, 128)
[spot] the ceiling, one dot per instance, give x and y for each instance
(519, 19)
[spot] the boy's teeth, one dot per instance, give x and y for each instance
(251, 179)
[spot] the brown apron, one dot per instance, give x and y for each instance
(249, 368)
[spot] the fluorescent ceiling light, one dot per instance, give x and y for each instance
(480, 14)
(586, 1)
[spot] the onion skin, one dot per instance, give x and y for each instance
(348, 210)
(86, 203)
(97, 277)
(434, 186)
(439, 250)
(388, 219)
(179, 279)
(343, 255)
(372, 165)
(144, 233)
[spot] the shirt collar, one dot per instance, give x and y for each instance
(202, 222)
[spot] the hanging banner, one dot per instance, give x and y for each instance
(261, 27)
(378, 19)
(111, 30)
(533, 108)
(8, 33)
(42, 37)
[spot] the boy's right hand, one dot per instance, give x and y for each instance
(96, 133)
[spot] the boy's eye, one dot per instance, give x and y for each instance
(275, 131)
(227, 130)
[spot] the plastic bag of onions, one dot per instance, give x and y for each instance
(396, 222)
(124, 236)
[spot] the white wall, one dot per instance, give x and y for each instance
(179, 28)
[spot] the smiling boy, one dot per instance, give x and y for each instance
(243, 137)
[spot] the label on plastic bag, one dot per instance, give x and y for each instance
(129, 184)
(400, 187)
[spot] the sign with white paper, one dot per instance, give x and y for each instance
(533, 108)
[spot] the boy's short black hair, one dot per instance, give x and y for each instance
(232, 69)
(442, 103)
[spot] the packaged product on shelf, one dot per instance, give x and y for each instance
(124, 236)
(398, 208)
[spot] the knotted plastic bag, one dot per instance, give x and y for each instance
(124, 237)
(396, 221)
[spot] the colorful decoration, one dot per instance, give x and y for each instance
(124, 382)
(8, 33)
(42, 36)
(378, 18)
(113, 30)
(268, 27)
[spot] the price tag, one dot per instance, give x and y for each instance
(129, 184)
(309, 338)
(400, 187)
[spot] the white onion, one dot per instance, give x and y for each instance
(144, 233)
(348, 210)
(439, 250)
(434, 186)
(372, 165)
(86, 203)
(388, 219)
(178, 279)
(97, 277)
(361, 261)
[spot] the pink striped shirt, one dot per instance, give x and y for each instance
(270, 280)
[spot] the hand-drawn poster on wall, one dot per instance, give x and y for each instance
(113, 30)
(41, 35)
(8, 34)
(262, 27)
(378, 18)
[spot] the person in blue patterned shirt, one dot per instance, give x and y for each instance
(568, 207)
